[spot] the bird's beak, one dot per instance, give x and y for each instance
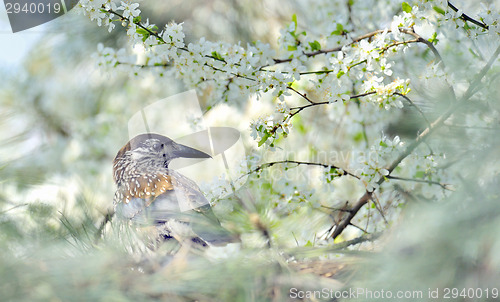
(188, 152)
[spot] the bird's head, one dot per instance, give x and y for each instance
(150, 151)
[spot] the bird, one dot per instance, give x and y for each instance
(149, 193)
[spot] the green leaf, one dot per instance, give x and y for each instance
(315, 45)
(434, 39)
(144, 33)
(339, 31)
(217, 56)
(141, 31)
(406, 7)
(292, 47)
(359, 137)
(332, 173)
(439, 10)
(420, 174)
(294, 20)
(264, 139)
(137, 19)
(266, 186)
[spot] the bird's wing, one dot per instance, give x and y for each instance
(201, 216)
(165, 196)
(190, 194)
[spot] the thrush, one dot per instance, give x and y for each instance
(149, 193)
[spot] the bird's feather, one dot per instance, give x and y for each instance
(160, 201)
(149, 193)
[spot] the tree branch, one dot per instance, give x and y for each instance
(338, 247)
(420, 138)
(366, 36)
(298, 163)
(338, 48)
(416, 107)
(303, 95)
(466, 18)
(431, 182)
(300, 108)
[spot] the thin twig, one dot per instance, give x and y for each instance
(466, 18)
(14, 207)
(155, 34)
(420, 138)
(303, 95)
(138, 23)
(431, 182)
(378, 207)
(416, 107)
(382, 50)
(300, 108)
(144, 65)
(338, 48)
(298, 163)
(366, 36)
(422, 40)
(104, 222)
(336, 209)
(336, 247)
(359, 228)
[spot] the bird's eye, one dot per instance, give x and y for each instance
(157, 147)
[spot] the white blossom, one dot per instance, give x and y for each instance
(130, 10)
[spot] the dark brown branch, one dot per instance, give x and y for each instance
(122, 18)
(466, 18)
(303, 95)
(298, 163)
(420, 138)
(418, 38)
(336, 209)
(165, 65)
(233, 74)
(361, 239)
(382, 50)
(300, 108)
(335, 248)
(155, 34)
(359, 228)
(422, 40)
(338, 48)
